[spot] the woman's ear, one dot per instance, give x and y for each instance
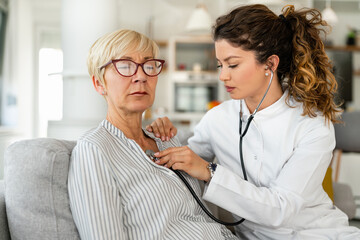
(98, 86)
(273, 62)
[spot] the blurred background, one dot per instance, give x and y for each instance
(46, 91)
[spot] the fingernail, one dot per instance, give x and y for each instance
(167, 139)
(162, 138)
(156, 154)
(172, 135)
(157, 135)
(157, 161)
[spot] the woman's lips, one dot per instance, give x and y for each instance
(229, 89)
(138, 93)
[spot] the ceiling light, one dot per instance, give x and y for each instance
(200, 20)
(329, 15)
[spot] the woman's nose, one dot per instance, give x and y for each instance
(224, 75)
(140, 75)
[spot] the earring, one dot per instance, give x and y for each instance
(103, 92)
(266, 68)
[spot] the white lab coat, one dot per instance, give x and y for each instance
(286, 156)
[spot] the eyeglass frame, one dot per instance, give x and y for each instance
(137, 65)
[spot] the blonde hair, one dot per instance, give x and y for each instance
(115, 45)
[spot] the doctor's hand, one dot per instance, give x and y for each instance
(183, 158)
(162, 128)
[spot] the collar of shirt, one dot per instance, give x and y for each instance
(119, 134)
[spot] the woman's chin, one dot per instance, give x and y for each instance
(141, 109)
(235, 97)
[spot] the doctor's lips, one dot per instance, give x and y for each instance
(229, 89)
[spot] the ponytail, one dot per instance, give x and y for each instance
(310, 79)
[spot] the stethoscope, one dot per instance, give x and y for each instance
(150, 154)
(251, 117)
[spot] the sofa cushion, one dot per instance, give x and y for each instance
(37, 202)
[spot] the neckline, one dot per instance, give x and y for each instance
(266, 112)
(120, 134)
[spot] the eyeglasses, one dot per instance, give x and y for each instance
(128, 68)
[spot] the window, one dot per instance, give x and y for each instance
(50, 87)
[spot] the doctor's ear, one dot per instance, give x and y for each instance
(98, 86)
(272, 62)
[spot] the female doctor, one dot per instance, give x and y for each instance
(279, 78)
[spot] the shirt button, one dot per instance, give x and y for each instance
(255, 157)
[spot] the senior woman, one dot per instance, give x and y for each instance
(116, 191)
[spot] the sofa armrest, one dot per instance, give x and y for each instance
(4, 229)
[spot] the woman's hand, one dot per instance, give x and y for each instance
(162, 128)
(183, 158)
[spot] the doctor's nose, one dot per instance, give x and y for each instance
(224, 75)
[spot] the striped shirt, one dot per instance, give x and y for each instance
(117, 192)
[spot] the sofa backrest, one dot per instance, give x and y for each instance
(4, 228)
(36, 196)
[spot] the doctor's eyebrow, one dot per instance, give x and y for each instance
(228, 58)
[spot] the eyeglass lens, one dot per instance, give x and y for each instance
(128, 68)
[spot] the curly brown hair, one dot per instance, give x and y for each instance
(304, 68)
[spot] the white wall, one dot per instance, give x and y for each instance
(18, 72)
(169, 18)
(18, 88)
(31, 17)
(21, 57)
(19, 95)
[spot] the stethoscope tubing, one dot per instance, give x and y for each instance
(251, 117)
(242, 135)
(202, 205)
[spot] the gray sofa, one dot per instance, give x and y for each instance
(34, 202)
(35, 190)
